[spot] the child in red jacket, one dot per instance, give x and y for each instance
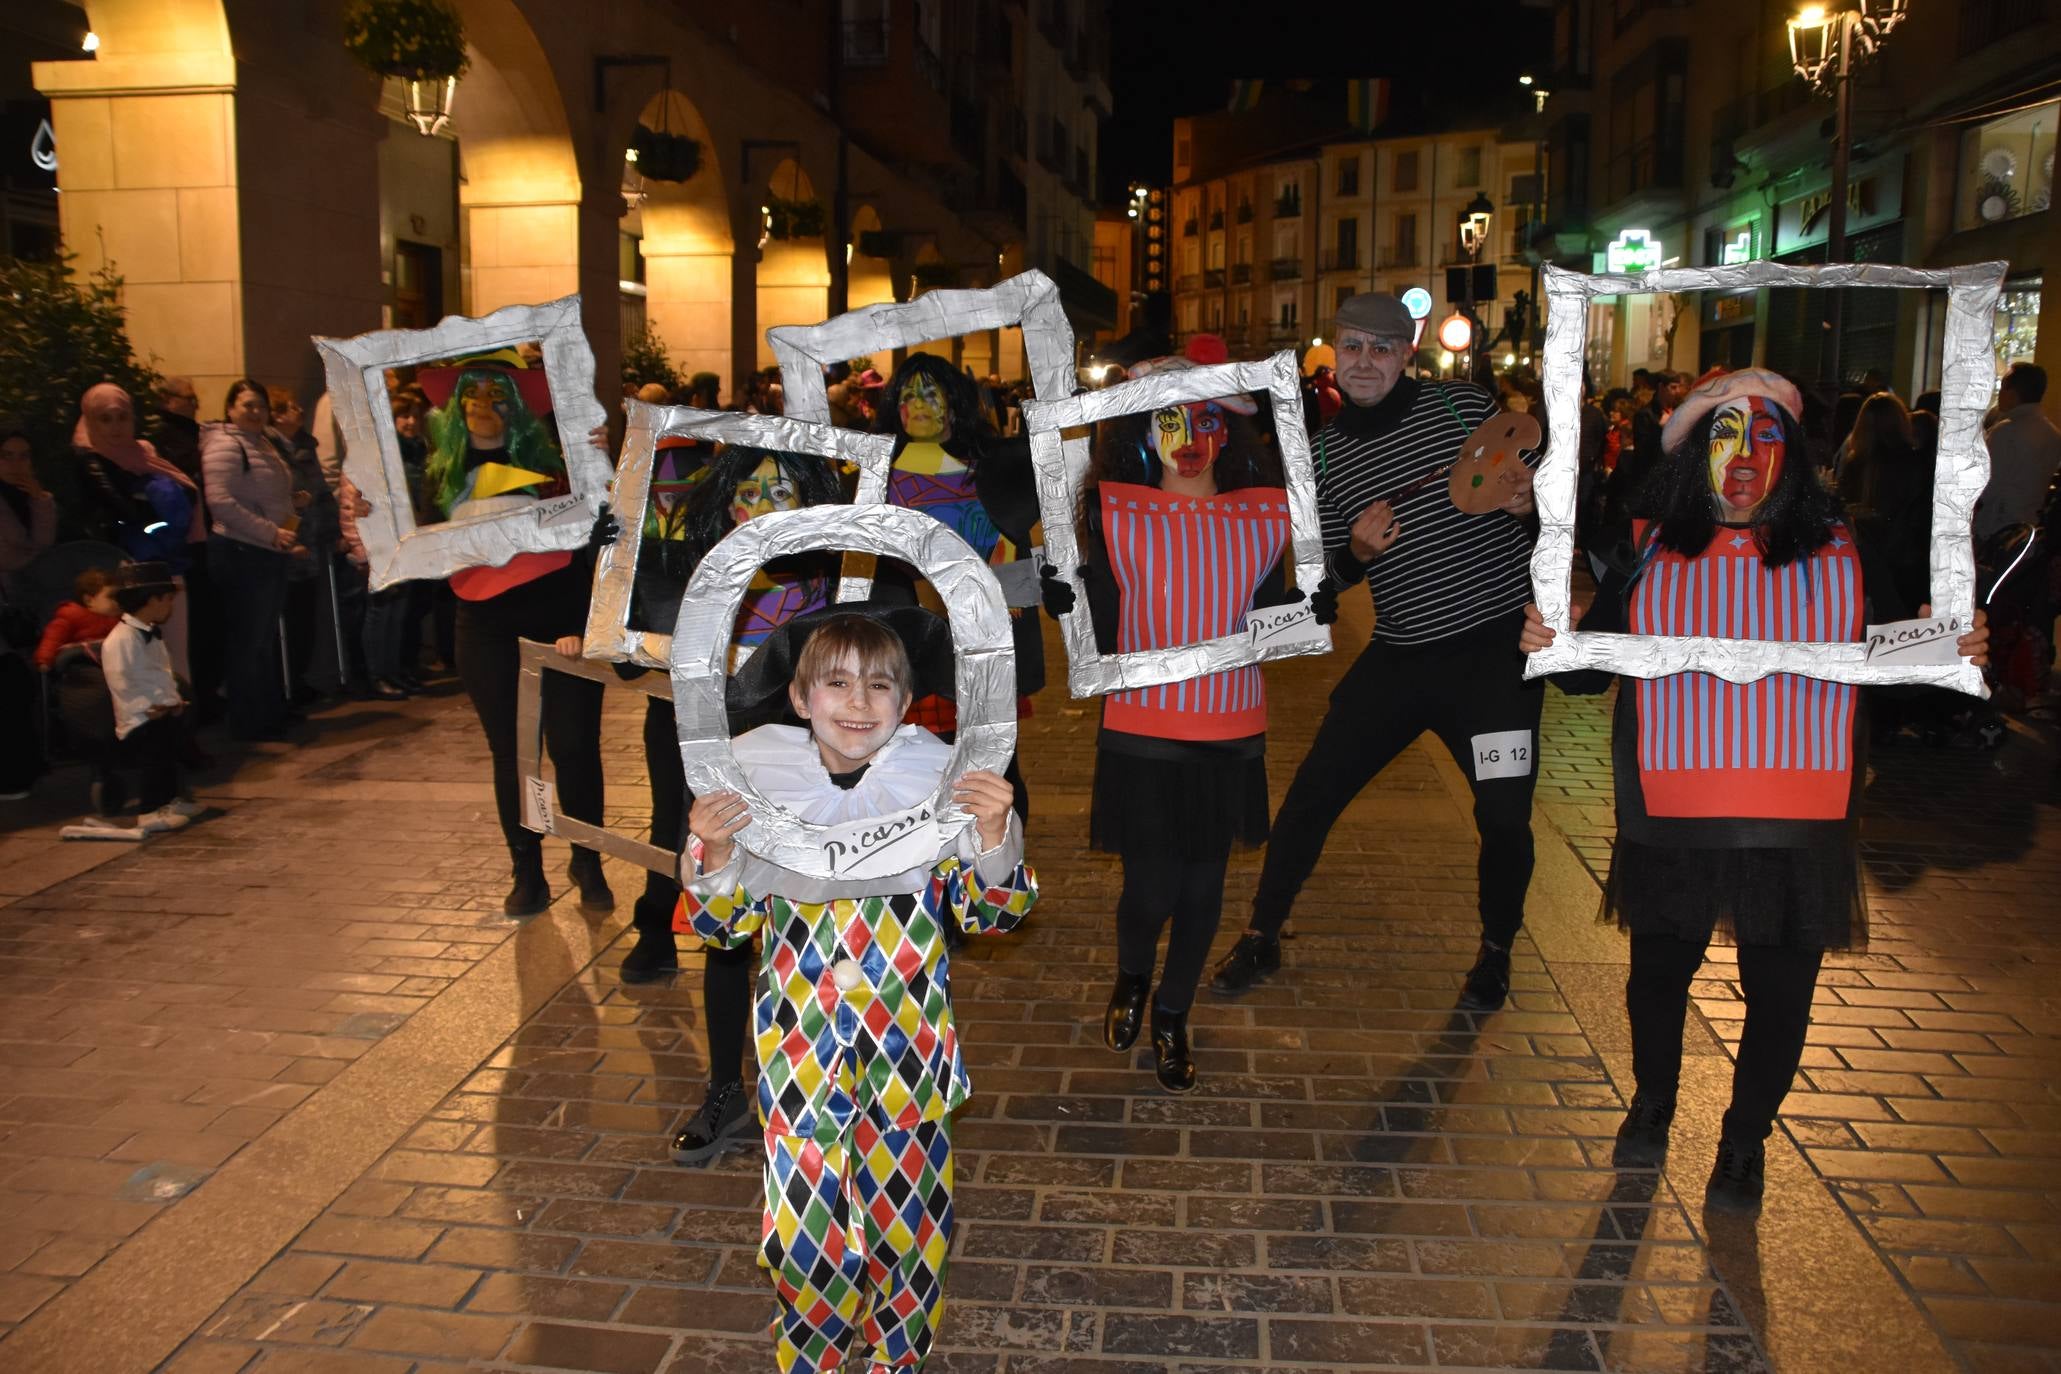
(82, 621)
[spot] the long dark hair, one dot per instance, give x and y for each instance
(1124, 453)
(1794, 522)
(970, 426)
(708, 507)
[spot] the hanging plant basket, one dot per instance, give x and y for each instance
(930, 275)
(662, 156)
(793, 219)
(419, 40)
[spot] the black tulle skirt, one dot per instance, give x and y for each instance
(1177, 798)
(1804, 898)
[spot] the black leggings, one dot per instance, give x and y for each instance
(1778, 982)
(1191, 891)
(1463, 689)
(489, 664)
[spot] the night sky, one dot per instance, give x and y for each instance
(1451, 60)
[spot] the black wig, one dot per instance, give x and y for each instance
(970, 426)
(708, 507)
(1794, 522)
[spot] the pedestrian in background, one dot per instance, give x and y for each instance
(2024, 451)
(252, 546)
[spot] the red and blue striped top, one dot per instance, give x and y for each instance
(1779, 748)
(1188, 567)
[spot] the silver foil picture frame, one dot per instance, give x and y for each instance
(1062, 474)
(396, 549)
(609, 634)
(540, 797)
(1028, 301)
(1962, 470)
(984, 669)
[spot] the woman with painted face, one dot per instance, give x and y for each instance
(951, 464)
(1736, 802)
(1184, 529)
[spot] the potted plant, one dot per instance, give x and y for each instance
(793, 219)
(421, 43)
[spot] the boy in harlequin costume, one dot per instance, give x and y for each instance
(859, 1067)
(1736, 802)
(951, 464)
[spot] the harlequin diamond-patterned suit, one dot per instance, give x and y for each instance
(859, 1071)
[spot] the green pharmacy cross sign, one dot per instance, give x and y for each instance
(1634, 250)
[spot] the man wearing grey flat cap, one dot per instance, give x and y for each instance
(1449, 590)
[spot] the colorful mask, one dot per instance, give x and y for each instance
(765, 491)
(925, 416)
(1746, 453)
(486, 402)
(1189, 437)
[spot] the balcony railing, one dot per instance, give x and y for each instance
(1216, 220)
(865, 43)
(1213, 278)
(1241, 273)
(1287, 207)
(1643, 166)
(1244, 212)
(1188, 281)
(1341, 259)
(1285, 269)
(1400, 257)
(1190, 229)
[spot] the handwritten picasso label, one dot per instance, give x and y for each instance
(1269, 626)
(883, 844)
(540, 805)
(560, 510)
(1916, 641)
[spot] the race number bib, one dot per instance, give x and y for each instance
(1507, 754)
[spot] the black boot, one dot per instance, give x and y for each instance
(531, 894)
(654, 958)
(723, 1115)
(1126, 1010)
(1250, 960)
(1171, 1062)
(1737, 1181)
(585, 871)
(1488, 982)
(1642, 1138)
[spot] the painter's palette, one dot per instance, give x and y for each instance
(1491, 461)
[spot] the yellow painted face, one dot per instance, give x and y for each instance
(925, 417)
(764, 491)
(486, 403)
(1746, 454)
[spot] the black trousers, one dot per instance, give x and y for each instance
(1778, 982)
(1465, 689)
(152, 751)
(251, 585)
(1162, 888)
(489, 666)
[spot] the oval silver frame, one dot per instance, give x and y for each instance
(984, 670)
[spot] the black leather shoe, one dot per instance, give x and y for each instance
(585, 871)
(1126, 1012)
(1488, 982)
(384, 690)
(1642, 1139)
(530, 894)
(1171, 1061)
(1249, 962)
(1739, 1178)
(655, 957)
(722, 1116)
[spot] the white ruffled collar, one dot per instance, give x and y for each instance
(786, 768)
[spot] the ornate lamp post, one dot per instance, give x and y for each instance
(1474, 236)
(1824, 46)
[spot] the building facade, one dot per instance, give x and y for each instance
(1678, 128)
(253, 186)
(1267, 248)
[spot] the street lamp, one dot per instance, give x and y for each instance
(1824, 46)
(1474, 236)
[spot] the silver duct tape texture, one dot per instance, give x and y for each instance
(1062, 473)
(609, 635)
(1028, 301)
(985, 671)
(537, 660)
(1962, 471)
(396, 550)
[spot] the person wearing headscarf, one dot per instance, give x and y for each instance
(1737, 803)
(135, 498)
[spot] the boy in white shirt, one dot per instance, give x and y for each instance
(147, 702)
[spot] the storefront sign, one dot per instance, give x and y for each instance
(1633, 250)
(1874, 197)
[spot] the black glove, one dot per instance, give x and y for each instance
(1324, 603)
(607, 529)
(1056, 593)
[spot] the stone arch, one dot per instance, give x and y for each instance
(687, 246)
(794, 274)
(519, 185)
(870, 275)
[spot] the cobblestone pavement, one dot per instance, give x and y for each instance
(284, 1092)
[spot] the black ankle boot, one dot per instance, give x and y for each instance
(1126, 1010)
(654, 958)
(530, 894)
(1171, 1062)
(1642, 1137)
(1739, 1178)
(585, 871)
(1488, 982)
